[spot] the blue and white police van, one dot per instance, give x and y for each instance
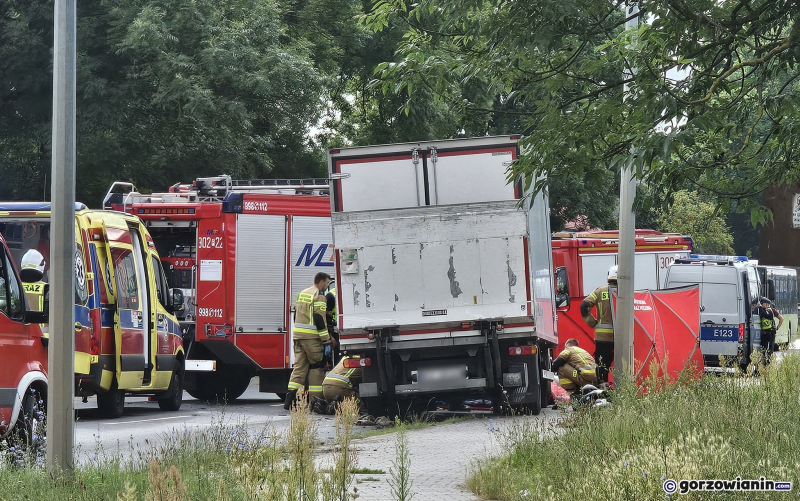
(729, 285)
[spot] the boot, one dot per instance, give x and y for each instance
(290, 398)
(319, 405)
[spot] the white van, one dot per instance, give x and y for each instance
(728, 287)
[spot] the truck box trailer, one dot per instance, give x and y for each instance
(445, 285)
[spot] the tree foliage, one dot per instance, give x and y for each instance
(167, 90)
(690, 215)
(705, 92)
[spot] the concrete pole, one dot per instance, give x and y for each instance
(623, 324)
(61, 350)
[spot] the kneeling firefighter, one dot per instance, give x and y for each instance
(575, 367)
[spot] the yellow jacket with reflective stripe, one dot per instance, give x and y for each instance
(604, 323)
(352, 375)
(35, 292)
(309, 301)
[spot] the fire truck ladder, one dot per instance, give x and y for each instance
(214, 189)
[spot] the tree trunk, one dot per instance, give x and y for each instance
(779, 239)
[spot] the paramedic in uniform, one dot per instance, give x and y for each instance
(310, 333)
(575, 367)
(768, 315)
(603, 324)
(32, 275)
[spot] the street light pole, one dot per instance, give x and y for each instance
(623, 322)
(61, 349)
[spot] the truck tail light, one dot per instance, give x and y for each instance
(522, 350)
(218, 330)
(356, 363)
(741, 333)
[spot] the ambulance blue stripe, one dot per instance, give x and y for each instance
(82, 315)
(107, 316)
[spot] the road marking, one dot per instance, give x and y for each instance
(145, 420)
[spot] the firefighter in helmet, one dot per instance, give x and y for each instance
(603, 325)
(575, 367)
(310, 334)
(32, 275)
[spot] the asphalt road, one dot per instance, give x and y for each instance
(144, 426)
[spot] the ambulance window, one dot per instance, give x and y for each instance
(81, 290)
(161, 282)
(125, 273)
(12, 296)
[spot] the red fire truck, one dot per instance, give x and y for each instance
(582, 261)
(240, 251)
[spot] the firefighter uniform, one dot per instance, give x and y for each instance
(342, 381)
(308, 342)
(603, 328)
(575, 367)
(36, 289)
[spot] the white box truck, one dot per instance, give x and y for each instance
(445, 284)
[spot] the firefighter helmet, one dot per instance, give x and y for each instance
(612, 273)
(32, 266)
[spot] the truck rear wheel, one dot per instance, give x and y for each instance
(223, 385)
(111, 404)
(174, 395)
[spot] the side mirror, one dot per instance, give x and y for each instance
(177, 301)
(562, 288)
(37, 317)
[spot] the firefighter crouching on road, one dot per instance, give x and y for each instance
(575, 367)
(309, 340)
(603, 324)
(340, 383)
(32, 275)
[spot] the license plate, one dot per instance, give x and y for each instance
(439, 374)
(719, 333)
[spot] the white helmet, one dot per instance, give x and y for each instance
(612, 273)
(32, 266)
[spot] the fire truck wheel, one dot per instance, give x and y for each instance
(30, 423)
(111, 404)
(174, 398)
(226, 384)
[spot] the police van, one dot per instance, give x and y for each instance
(729, 285)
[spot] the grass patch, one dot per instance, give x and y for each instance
(717, 427)
(226, 462)
(366, 471)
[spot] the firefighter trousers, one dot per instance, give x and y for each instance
(604, 354)
(308, 355)
(332, 391)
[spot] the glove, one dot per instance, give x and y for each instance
(327, 350)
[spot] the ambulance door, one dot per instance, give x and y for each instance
(133, 311)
